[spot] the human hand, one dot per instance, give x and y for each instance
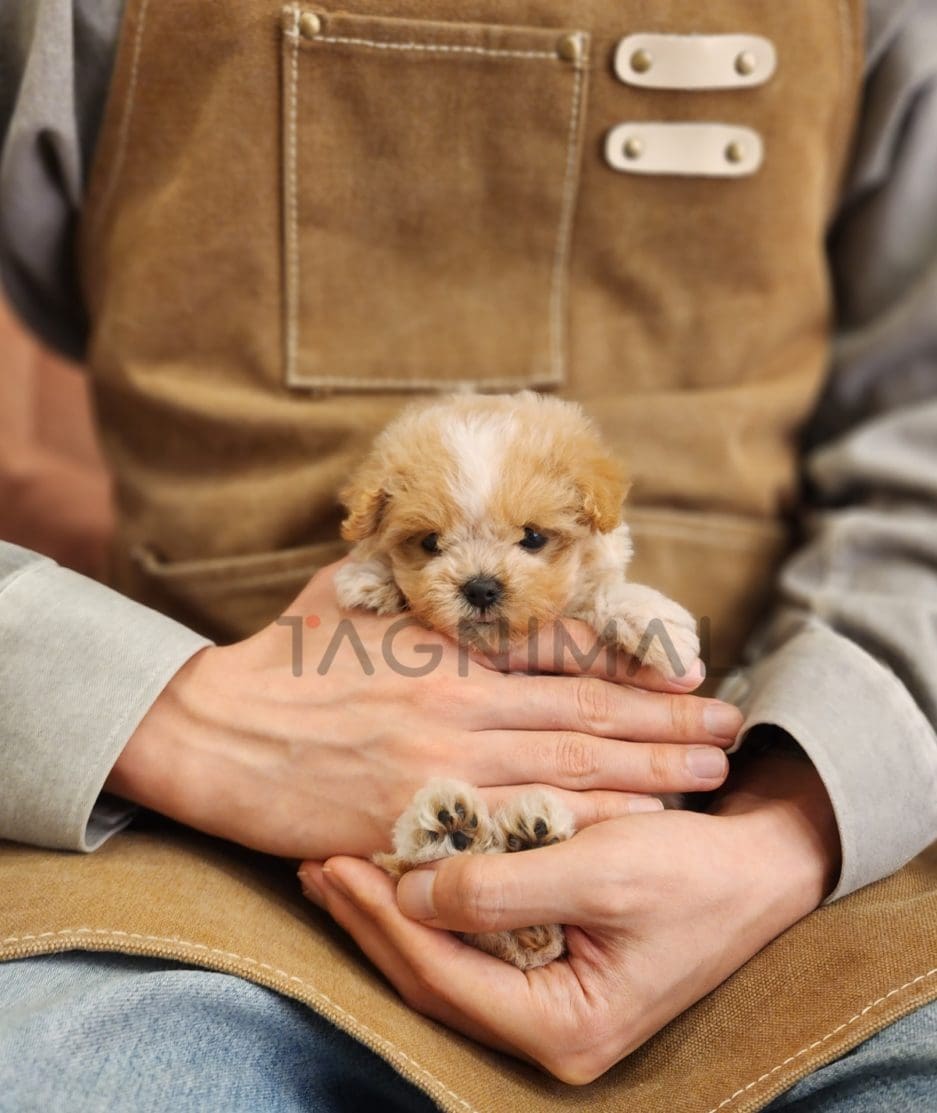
(666, 906)
(323, 763)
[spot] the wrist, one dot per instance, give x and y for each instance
(205, 756)
(160, 760)
(783, 812)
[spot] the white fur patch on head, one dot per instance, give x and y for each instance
(478, 443)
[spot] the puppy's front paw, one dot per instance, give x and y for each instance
(368, 584)
(537, 818)
(446, 817)
(671, 643)
(652, 628)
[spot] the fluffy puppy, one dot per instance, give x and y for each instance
(480, 514)
(483, 515)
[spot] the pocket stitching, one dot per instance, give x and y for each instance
(438, 48)
(292, 206)
(252, 569)
(558, 281)
(567, 207)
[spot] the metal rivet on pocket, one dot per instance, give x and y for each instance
(735, 152)
(633, 147)
(309, 25)
(569, 48)
(746, 63)
(641, 61)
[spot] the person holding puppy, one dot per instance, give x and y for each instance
(296, 219)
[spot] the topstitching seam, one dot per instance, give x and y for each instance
(561, 249)
(438, 48)
(823, 1039)
(189, 944)
(124, 133)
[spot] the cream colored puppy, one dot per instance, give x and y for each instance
(482, 515)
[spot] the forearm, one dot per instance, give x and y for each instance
(80, 667)
(195, 758)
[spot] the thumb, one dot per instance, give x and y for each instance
(497, 892)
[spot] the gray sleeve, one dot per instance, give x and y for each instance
(847, 665)
(79, 667)
(56, 58)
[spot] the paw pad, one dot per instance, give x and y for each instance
(522, 834)
(535, 820)
(456, 821)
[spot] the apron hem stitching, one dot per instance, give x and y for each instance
(188, 943)
(823, 1039)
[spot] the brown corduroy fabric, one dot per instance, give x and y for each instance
(285, 237)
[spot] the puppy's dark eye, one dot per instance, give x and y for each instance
(430, 543)
(532, 541)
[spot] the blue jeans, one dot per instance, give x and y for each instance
(893, 1072)
(89, 1033)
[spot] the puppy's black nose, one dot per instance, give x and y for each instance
(482, 591)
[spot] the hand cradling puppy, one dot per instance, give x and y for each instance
(484, 516)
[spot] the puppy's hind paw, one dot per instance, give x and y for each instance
(525, 948)
(537, 818)
(444, 818)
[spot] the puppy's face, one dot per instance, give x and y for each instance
(483, 507)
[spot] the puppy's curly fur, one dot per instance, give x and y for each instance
(482, 515)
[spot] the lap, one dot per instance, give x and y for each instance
(85, 1032)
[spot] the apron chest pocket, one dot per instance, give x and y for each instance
(429, 174)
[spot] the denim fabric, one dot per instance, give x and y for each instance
(895, 1070)
(91, 1033)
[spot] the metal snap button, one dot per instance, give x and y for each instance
(735, 152)
(569, 48)
(641, 61)
(309, 25)
(746, 63)
(633, 147)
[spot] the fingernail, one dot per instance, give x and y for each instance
(415, 894)
(706, 762)
(646, 804)
(331, 878)
(722, 720)
(693, 677)
(312, 890)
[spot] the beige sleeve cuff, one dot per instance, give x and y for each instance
(870, 743)
(79, 668)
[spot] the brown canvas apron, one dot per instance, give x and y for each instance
(297, 219)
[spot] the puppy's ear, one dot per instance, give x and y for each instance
(600, 480)
(367, 501)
